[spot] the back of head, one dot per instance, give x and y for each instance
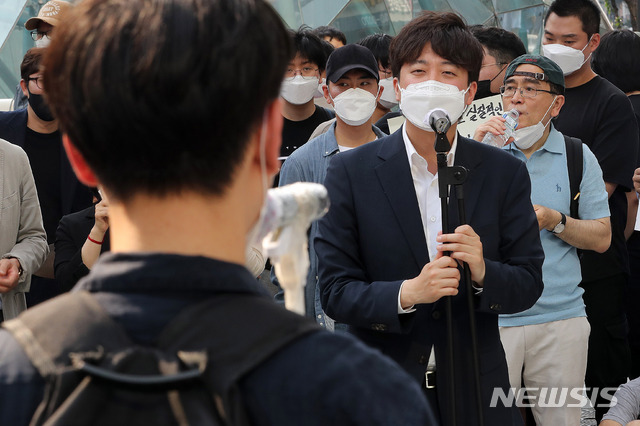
(449, 37)
(309, 46)
(162, 111)
(618, 59)
(503, 45)
(585, 10)
(330, 33)
(378, 44)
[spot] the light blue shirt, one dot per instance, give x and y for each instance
(562, 297)
(309, 163)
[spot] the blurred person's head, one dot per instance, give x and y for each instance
(435, 60)
(618, 59)
(190, 110)
(48, 18)
(534, 86)
(571, 34)
(500, 47)
(32, 84)
(332, 35)
(306, 66)
(352, 84)
(379, 44)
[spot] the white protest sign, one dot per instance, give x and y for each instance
(479, 112)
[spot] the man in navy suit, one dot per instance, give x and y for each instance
(382, 267)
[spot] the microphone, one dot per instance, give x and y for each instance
(439, 121)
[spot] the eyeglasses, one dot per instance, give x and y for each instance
(39, 81)
(305, 72)
(526, 92)
(37, 35)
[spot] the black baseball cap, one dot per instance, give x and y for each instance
(551, 72)
(349, 57)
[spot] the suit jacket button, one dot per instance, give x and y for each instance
(379, 327)
(436, 315)
(496, 307)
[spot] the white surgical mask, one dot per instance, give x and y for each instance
(568, 59)
(388, 97)
(320, 92)
(526, 137)
(354, 106)
(419, 100)
(299, 90)
(43, 42)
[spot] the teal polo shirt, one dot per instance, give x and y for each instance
(562, 297)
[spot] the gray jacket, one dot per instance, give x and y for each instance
(21, 232)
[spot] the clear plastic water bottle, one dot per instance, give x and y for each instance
(511, 122)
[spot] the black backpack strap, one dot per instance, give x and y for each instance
(73, 322)
(239, 331)
(574, 166)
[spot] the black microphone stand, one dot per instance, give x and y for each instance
(455, 175)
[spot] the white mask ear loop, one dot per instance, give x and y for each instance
(263, 154)
(549, 109)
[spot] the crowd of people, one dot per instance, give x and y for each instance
(136, 172)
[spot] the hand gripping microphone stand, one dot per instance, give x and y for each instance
(455, 175)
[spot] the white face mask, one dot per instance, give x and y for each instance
(388, 97)
(354, 106)
(568, 59)
(299, 90)
(43, 42)
(419, 100)
(526, 137)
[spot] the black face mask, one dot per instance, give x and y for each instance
(39, 106)
(484, 89)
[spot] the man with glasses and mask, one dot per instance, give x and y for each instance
(500, 48)
(546, 345)
(352, 88)
(36, 130)
(301, 80)
(41, 29)
(384, 267)
(601, 115)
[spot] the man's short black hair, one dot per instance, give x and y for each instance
(449, 37)
(378, 44)
(618, 59)
(503, 45)
(585, 10)
(330, 32)
(160, 112)
(31, 63)
(309, 46)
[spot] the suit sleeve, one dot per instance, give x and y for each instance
(69, 267)
(347, 295)
(513, 278)
(31, 244)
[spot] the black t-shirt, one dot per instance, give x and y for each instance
(297, 133)
(602, 117)
(44, 153)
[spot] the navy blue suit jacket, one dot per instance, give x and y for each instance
(75, 196)
(372, 239)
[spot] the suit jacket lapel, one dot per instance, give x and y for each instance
(395, 177)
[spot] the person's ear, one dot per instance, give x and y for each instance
(594, 42)
(471, 93)
(25, 90)
(325, 92)
(78, 163)
(272, 126)
(396, 88)
(557, 106)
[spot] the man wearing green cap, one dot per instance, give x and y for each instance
(546, 345)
